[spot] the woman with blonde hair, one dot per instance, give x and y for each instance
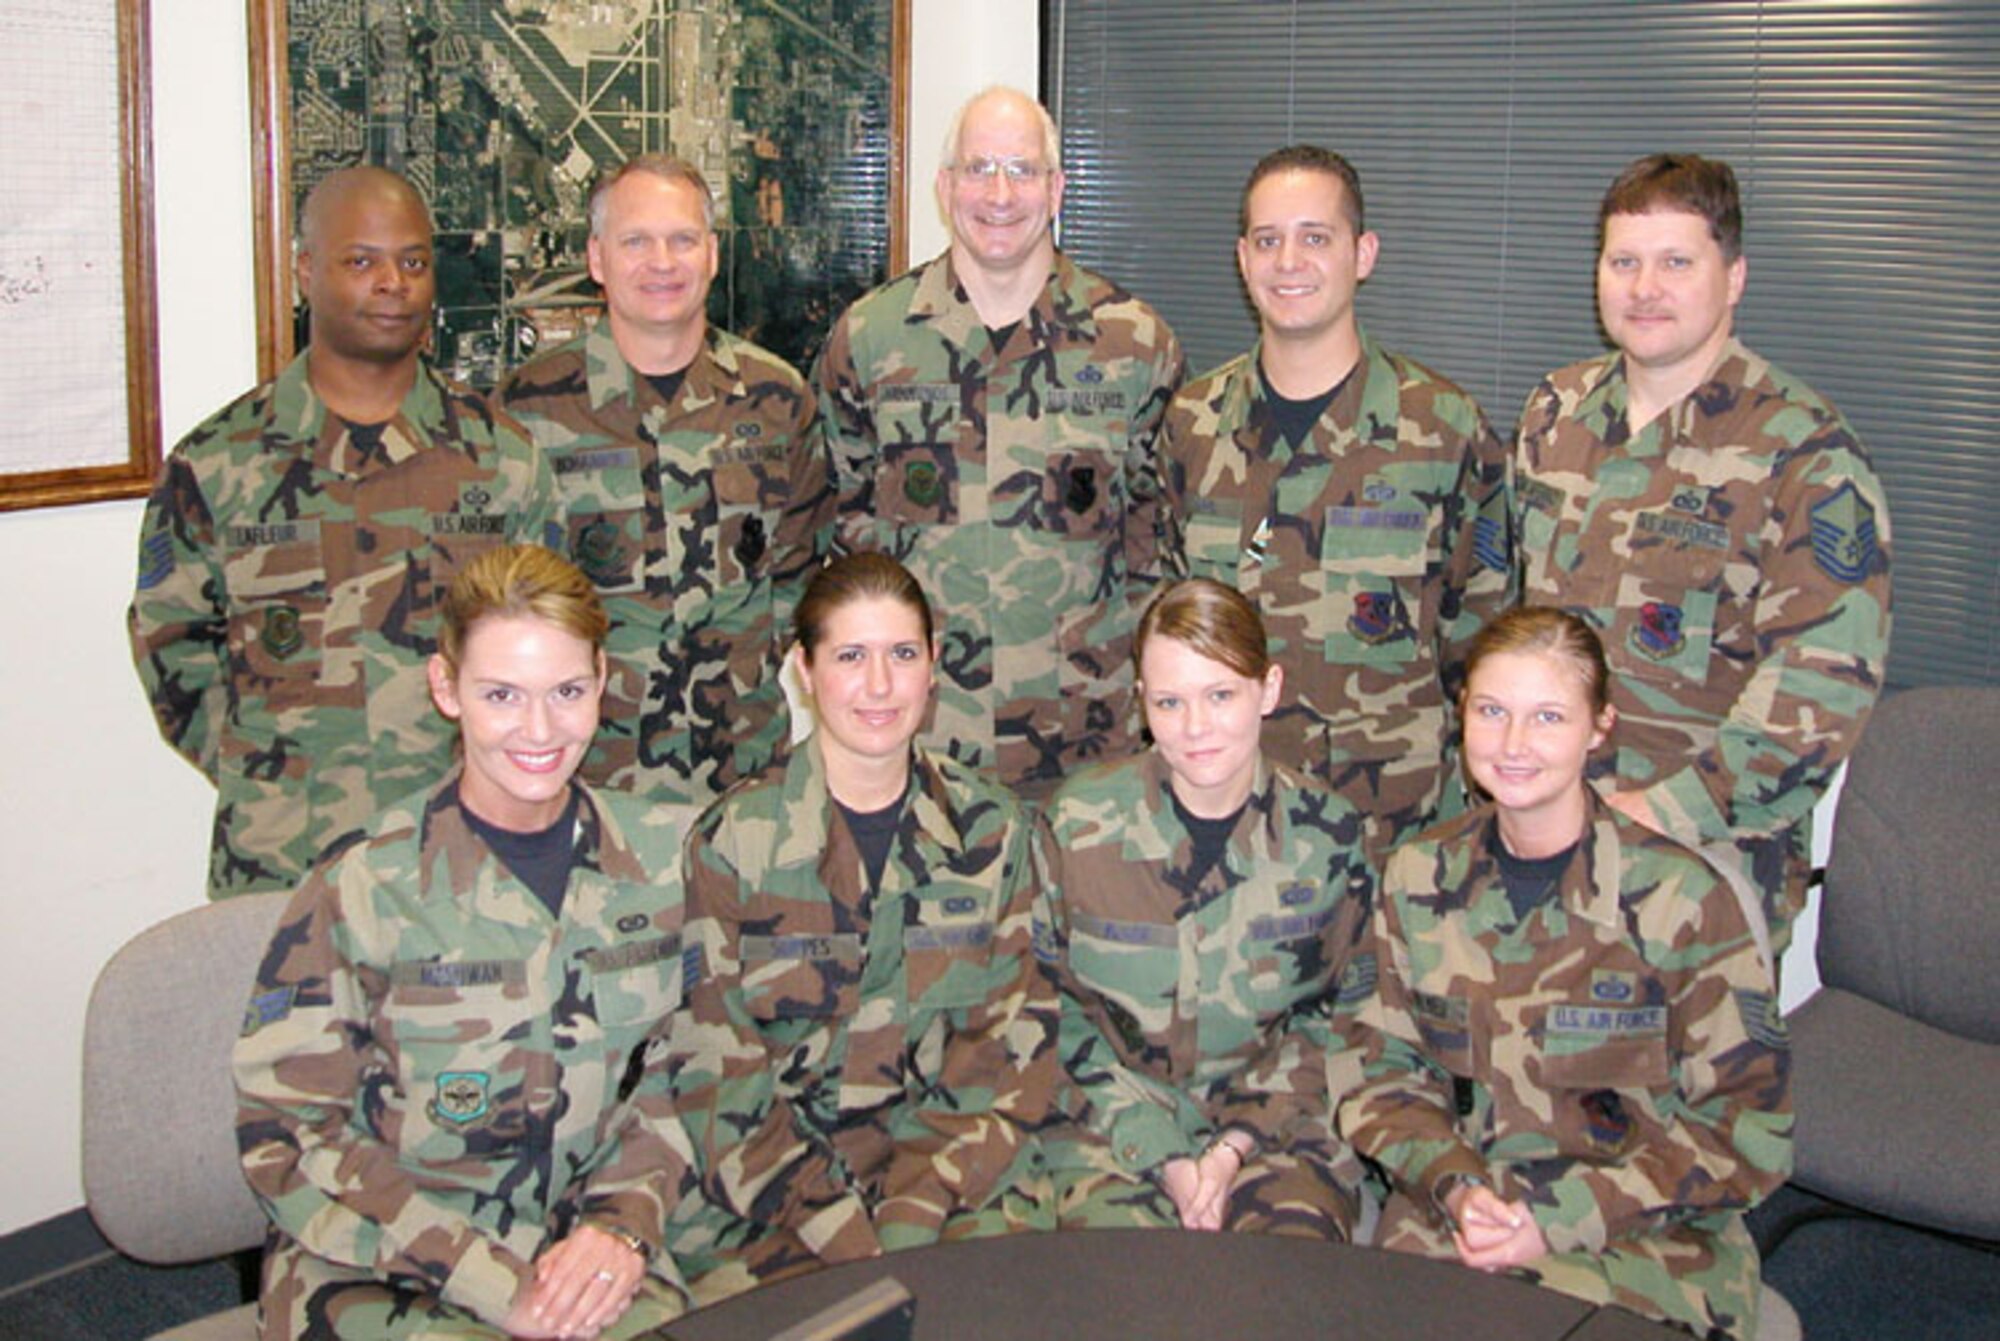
(1572, 1066)
(453, 1106)
(1196, 906)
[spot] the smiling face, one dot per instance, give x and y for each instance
(1300, 256)
(364, 268)
(655, 256)
(1206, 719)
(870, 678)
(1529, 730)
(525, 697)
(1000, 223)
(1665, 294)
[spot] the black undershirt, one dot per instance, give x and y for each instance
(1529, 881)
(667, 384)
(998, 336)
(365, 440)
(1295, 419)
(541, 860)
(1209, 838)
(875, 834)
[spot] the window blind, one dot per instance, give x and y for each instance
(1865, 136)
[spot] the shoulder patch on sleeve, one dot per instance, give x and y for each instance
(1357, 980)
(1762, 1020)
(1843, 534)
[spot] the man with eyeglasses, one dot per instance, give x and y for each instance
(1356, 495)
(992, 417)
(689, 466)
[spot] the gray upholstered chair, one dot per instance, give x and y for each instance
(1896, 1061)
(160, 1170)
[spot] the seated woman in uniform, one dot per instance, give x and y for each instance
(865, 1052)
(1196, 904)
(1573, 1066)
(452, 1077)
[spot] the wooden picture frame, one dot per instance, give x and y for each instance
(140, 374)
(275, 194)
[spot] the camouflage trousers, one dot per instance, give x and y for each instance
(1701, 1276)
(307, 1298)
(1019, 1208)
(1297, 1193)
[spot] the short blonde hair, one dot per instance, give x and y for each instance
(515, 581)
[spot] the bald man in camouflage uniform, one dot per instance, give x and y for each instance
(695, 485)
(1355, 495)
(1196, 1004)
(992, 419)
(1722, 528)
(861, 1073)
(297, 544)
(1613, 1059)
(437, 1083)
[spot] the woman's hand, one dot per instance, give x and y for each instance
(1199, 1188)
(582, 1285)
(1492, 1234)
(1217, 1167)
(1182, 1180)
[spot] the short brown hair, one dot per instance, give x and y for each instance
(1216, 621)
(665, 166)
(1552, 632)
(1685, 183)
(518, 581)
(850, 578)
(1305, 158)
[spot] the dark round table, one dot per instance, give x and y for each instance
(1165, 1284)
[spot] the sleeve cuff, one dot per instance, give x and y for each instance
(486, 1280)
(840, 1232)
(1145, 1137)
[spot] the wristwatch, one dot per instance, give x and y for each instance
(629, 1239)
(1243, 1148)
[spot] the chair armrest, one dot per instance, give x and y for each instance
(1894, 1116)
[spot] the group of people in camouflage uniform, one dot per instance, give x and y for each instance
(532, 1054)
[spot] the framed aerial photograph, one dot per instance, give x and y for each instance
(78, 372)
(503, 112)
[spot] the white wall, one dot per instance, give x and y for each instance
(103, 830)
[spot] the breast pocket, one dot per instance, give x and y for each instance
(745, 526)
(609, 548)
(793, 984)
(1372, 564)
(1082, 495)
(277, 616)
(1445, 1029)
(948, 962)
(1590, 1047)
(474, 1063)
(1287, 948)
(1134, 967)
(916, 481)
(1663, 627)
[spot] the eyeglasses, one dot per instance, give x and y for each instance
(1019, 171)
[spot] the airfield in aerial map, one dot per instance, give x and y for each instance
(504, 111)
